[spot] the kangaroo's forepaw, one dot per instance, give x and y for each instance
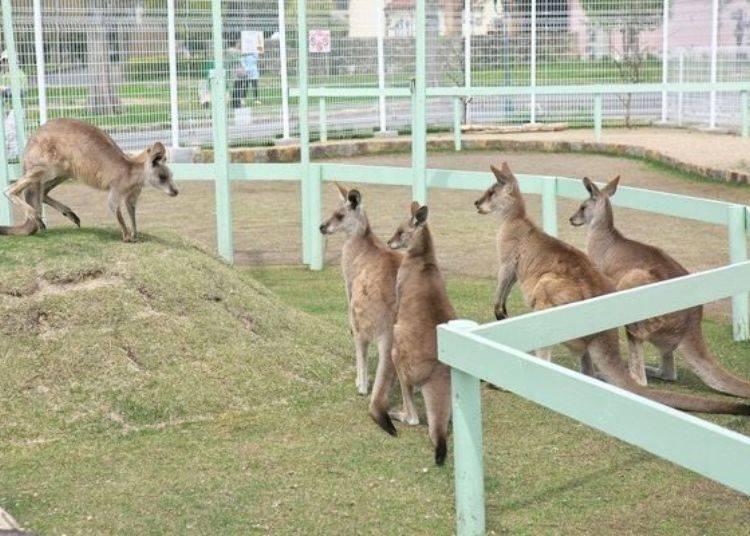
(659, 373)
(404, 417)
(40, 225)
(129, 239)
(501, 314)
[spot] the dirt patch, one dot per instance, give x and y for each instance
(267, 214)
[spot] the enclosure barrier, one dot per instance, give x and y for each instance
(596, 90)
(498, 353)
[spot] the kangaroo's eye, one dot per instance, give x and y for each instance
(339, 216)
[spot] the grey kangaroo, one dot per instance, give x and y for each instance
(423, 304)
(551, 273)
(63, 149)
(629, 263)
(369, 270)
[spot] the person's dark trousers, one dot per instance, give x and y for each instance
(239, 91)
(254, 82)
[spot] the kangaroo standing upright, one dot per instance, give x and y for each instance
(369, 270)
(553, 273)
(422, 305)
(63, 149)
(629, 263)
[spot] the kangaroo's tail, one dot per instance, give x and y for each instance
(29, 227)
(700, 359)
(437, 400)
(383, 420)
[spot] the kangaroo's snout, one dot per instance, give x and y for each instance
(323, 228)
(173, 192)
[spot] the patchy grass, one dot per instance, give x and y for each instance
(149, 388)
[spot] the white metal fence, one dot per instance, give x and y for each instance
(139, 68)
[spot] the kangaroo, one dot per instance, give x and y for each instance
(422, 305)
(628, 263)
(551, 273)
(62, 149)
(369, 270)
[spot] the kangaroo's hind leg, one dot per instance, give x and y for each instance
(636, 362)
(57, 205)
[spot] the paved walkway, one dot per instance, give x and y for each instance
(723, 151)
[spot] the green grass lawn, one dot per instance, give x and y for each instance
(151, 389)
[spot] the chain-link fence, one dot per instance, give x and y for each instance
(140, 68)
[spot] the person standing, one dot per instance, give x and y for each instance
(250, 62)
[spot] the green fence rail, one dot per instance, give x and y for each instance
(497, 353)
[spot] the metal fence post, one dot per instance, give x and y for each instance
(549, 206)
(316, 215)
(598, 117)
(6, 209)
(744, 114)
(322, 119)
(680, 80)
(15, 76)
(714, 47)
(419, 119)
(737, 228)
(532, 68)
(457, 123)
(304, 131)
(664, 59)
(41, 79)
(467, 52)
(172, 48)
(224, 238)
(284, 74)
(380, 17)
(467, 448)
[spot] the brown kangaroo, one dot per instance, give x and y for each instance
(628, 263)
(553, 273)
(62, 149)
(422, 305)
(369, 270)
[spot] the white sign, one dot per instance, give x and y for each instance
(320, 41)
(251, 42)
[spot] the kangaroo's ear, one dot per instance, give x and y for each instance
(355, 198)
(498, 174)
(342, 191)
(414, 207)
(611, 188)
(592, 188)
(157, 153)
(421, 215)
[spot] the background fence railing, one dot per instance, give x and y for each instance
(141, 69)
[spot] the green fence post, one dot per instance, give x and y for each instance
(744, 114)
(222, 185)
(598, 117)
(322, 119)
(304, 131)
(316, 216)
(467, 448)
(457, 123)
(419, 118)
(6, 209)
(549, 206)
(15, 76)
(737, 227)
